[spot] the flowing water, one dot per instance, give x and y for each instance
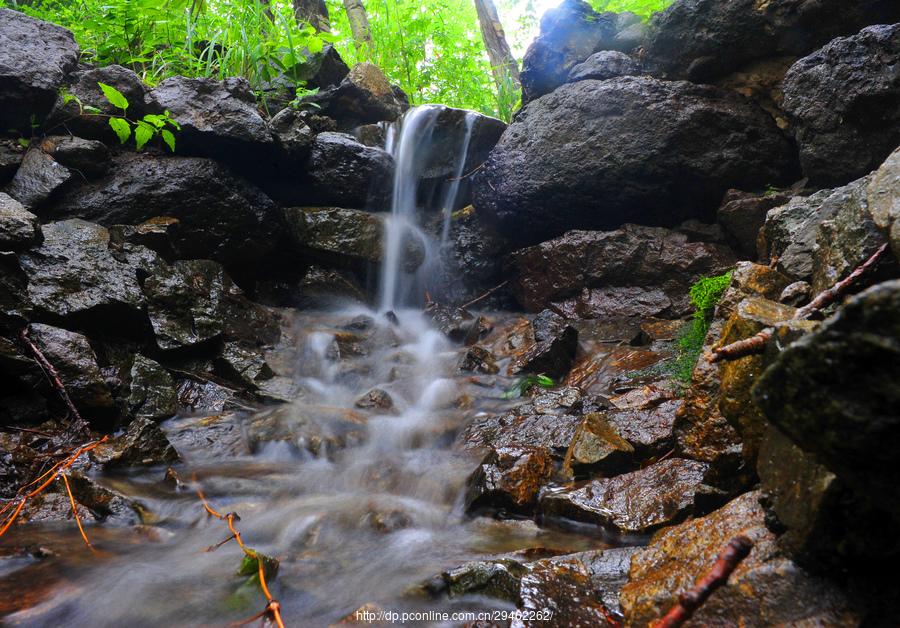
(360, 505)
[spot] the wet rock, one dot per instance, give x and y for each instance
(86, 89)
(478, 360)
(194, 301)
(319, 430)
(364, 96)
(883, 195)
(144, 443)
(608, 570)
(796, 294)
(292, 132)
(205, 437)
(686, 143)
(107, 505)
(35, 58)
(498, 579)
(554, 348)
(569, 34)
(11, 154)
(157, 234)
(821, 392)
(321, 287)
(655, 266)
(19, 228)
(221, 216)
(217, 118)
(87, 158)
(765, 589)
(645, 418)
(453, 322)
(737, 377)
(509, 478)
(598, 447)
(74, 359)
(344, 173)
(336, 234)
(152, 391)
(742, 215)
(243, 364)
(522, 428)
(603, 65)
(634, 503)
(37, 179)
(611, 302)
(703, 41)
(375, 399)
(844, 102)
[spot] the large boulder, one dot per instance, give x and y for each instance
(364, 96)
(823, 392)
(606, 273)
(35, 58)
(570, 33)
(344, 173)
(703, 40)
(221, 216)
(217, 118)
(845, 103)
(598, 154)
(765, 589)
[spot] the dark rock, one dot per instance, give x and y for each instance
(195, 301)
(884, 199)
(522, 427)
(157, 234)
(203, 437)
(87, 158)
(74, 274)
(742, 215)
(375, 399)
(292, 132)
(609, 572)
(631, 149)
(478, 360)
(626, 301)
(371, 135)
(321, 430)
(453, 322)
(598, 447)
(645, 418)
(323, 287)
(19, 228)
(107, 505)
(765, 589)
(845, 103)
(796, 294)
(554, 348)
(652, 265)
(142, 444)
(218, 119)
(440, 159)
(707, 39)
(570, 33)
(344, 173)
(335, 235)
(243, 364)
(509, 478)
(86, 91)
(11, 154)
(151, 392)
(823, 393)
(221, 216)
(634, 503)
(75, 361)
(603, 65)
(364, 96)
(38, 178)
(35, 58)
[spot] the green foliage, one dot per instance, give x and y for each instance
(523, 384)
(644, 8)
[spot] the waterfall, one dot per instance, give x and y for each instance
(410, 143)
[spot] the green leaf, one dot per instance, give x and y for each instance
(91, 109)
(156, 120)
(143, 133)
(121, 127)
(114, 96)
(169, 139)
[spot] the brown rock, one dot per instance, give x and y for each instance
(509, 478)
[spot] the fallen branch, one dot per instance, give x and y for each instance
(483, 296)
(728, 559)
(272, 611)
(78, 423)
(756, 344)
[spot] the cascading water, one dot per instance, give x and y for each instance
(354, 486)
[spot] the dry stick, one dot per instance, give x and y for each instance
(87, 542)
(273, 608)
(483, 296)
(756, 344)
(52, 374)
(688, 602)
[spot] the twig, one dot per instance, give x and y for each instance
(728, 559)
(469, 173)
(87, 542)
(52, 374)
(26, 430)
(756, 344)
(483, 296)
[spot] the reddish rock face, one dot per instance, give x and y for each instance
(509, 478)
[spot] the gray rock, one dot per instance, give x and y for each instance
(11, 154)
(603, 65)
(152, 391)
(554, 348)
(884, 199)
(142, 444)
(634, 503)
(364, 96)
(344, 173)
(86, 158)
(845, 103)
(38, 178)
(599, 154)
(742, 215)
(35, 58)
(243, 364)
(19, 228)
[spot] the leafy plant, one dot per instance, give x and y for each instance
(643, 8)
(523, 384)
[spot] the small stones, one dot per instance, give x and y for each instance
(478, 360)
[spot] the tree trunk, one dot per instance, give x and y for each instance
(314, 12)
(503, 64)
(359, 23)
